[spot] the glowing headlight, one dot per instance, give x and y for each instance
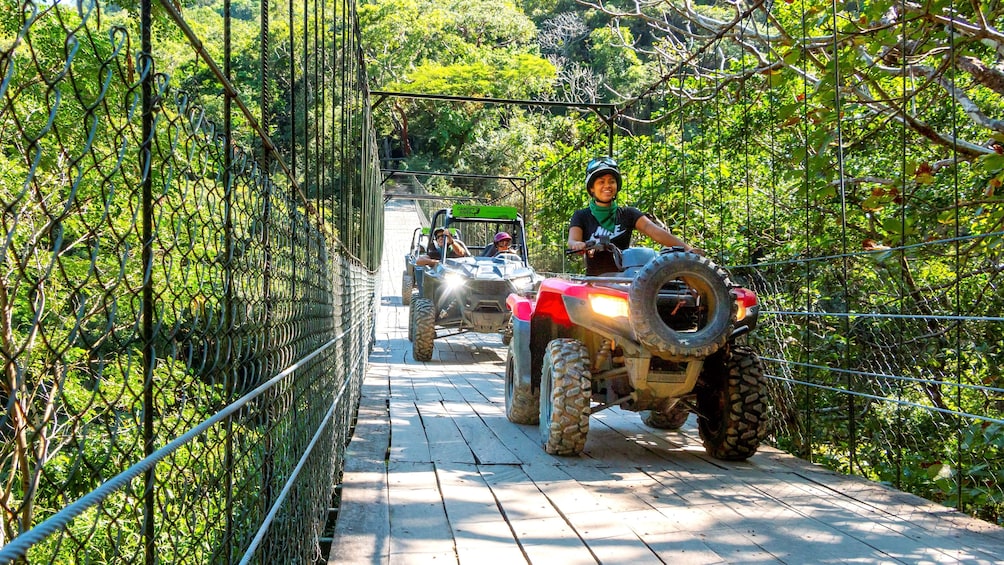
(522, 282)
(740, 312)
(609, 306)
(454, 280)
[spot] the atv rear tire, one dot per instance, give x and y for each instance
(731, 405)
(565, 391)
(522, 404)
(709, 280)
(423, 324)
(407, 284)
(671, 420)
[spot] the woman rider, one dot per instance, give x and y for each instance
(605, 217)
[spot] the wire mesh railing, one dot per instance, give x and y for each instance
(188, 280)
(836, 157)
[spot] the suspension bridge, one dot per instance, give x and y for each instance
(205, 352)
(435, 473)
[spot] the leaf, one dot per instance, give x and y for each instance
(993, 162)
(787, 110)
(939, 471)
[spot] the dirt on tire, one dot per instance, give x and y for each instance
(423, 324)
(522, 405)
(565, 392)
(731, 405)
(407, 284)
(673, 419)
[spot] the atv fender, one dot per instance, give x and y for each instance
(534, 324)
(521, 354)
(419, 273)
(520, 306)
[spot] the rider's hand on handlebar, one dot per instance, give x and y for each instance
(577, 246)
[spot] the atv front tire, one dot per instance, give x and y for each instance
(565, 391)
(507, 333)
(671, 420)
(522, 404)
(712, 284)
(407, 284)
(423, 324)
(731, 405)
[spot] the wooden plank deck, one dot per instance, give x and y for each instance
(436, 474)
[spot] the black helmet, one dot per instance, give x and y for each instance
(602, 166)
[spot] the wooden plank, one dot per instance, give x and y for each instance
(362, 531)
(419, 529)
(372, 434)
(523, 441)
(608, 538)
(480, 531)
(480, 437)
(541, 531)
(446, 443)
(408, 439)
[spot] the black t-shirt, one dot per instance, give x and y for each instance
(603, 261)
(437, 254)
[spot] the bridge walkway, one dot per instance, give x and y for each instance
(436, 474)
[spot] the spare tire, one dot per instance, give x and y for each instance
(711, 283)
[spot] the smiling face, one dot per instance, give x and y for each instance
(503, 243)
(604, 189)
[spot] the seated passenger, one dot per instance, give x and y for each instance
(502, 244)
(442, 239)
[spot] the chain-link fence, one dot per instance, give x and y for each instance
(870, 227)
(192, 222)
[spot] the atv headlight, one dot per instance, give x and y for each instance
(609, 306)
(522, 283)
(454, 280)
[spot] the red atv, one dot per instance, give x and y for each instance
(658, 337)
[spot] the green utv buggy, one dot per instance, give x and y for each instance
(464, 294)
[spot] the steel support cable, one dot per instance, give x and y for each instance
(746, 155)
(18, 547)
(887, 377)
(946, 317)
(228, 273)
(806, 340)
(957, 220)
(305, 76)
(295, 472)
(845, 267)
(689, 61)
(684, 181)
(148, 315)
(720, 182)
(888, 251)
(897, 402)
(901, 298)
(231, 91)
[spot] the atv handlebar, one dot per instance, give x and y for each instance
(601, 243)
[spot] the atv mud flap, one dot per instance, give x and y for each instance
(520, 347)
